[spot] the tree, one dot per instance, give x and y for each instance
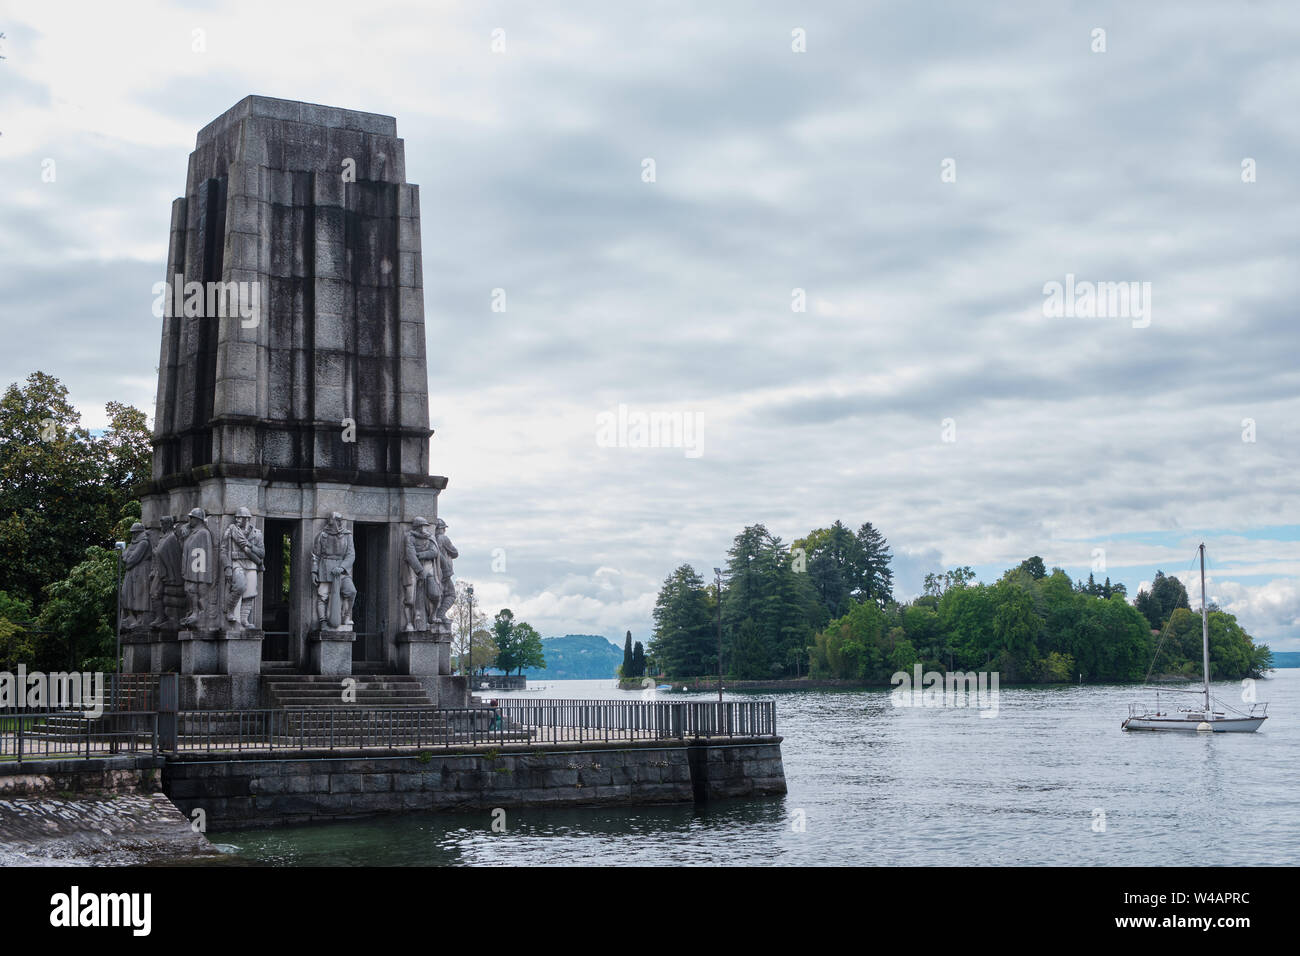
(626, 669)
(518, 643)
(966, 616)
(525, 649)
(1016, 622)
(834, 563)
(749, 658)
(479, 657)
(875, 580)
(683, 638)
(936, 584)
(79, 617)
(1035, 568)
(17, 642)
(638, 660)
(762, 587)
(1167, 595)
(483, 649)
(853, 647)
(61, 489)
(503, 631)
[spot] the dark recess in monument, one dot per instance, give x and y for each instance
(369, 571)
(277, 609)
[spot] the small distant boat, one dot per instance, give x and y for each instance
(664, 687)
(1203, 719)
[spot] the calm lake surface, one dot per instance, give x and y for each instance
(877, 784)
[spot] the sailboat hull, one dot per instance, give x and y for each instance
(1224, 725)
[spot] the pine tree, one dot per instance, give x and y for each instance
(875, 580)
(682, 644)
(626, 669)
(638, 660)
(781, 604)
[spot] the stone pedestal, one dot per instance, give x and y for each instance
(422, 653)
(218, 652)
(199, 651)
(137, 650)
(240, 652)
(165, 652)
(329, 652)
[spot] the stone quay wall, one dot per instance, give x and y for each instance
(121, 774)
(245, 791)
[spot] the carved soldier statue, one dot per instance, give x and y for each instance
(198, 570)
(331, 569)
(168, 584)
(242, 555)
(446, 551)
(137, 562)
(166, 559)
(421, 577)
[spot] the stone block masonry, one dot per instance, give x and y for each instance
(309, 787)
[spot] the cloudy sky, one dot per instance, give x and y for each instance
(921, 171)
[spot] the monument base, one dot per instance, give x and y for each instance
(137, 650)
(199, 652)
(423, 653)
(329, 652)
(218, 652)
(240, 652)
(165, 651)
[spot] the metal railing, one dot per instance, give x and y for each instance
(68, 692)
(578, 719)
(72, 735)
(511, 722)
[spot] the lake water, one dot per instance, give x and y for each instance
(876, 784)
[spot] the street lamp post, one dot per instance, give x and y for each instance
(469, 669)
(120, 547)
(718, 577)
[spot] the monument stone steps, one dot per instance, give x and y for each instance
(315, 690)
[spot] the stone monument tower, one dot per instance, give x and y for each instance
(291, 437)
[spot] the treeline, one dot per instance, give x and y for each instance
(65, 496)
(773, 599)
(825, 607)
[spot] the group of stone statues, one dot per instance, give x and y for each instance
(168, 581)
(427, 587)
(178, 578)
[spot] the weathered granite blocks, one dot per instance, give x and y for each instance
(309, 205)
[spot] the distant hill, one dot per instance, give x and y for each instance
(1280, 659)
(578, 657)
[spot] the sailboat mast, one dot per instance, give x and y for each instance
(1205, 638)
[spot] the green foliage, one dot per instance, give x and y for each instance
(827, 600)
(61, 489)
(79, 617)
(1030, 627)
(1167, 595)
(625, 670)
(17, 641)
(684, 640)
(780, 604)
(518, 645)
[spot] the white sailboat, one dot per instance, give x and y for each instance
(1203, 719)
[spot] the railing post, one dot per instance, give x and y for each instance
(167, 727)
(18, 718)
